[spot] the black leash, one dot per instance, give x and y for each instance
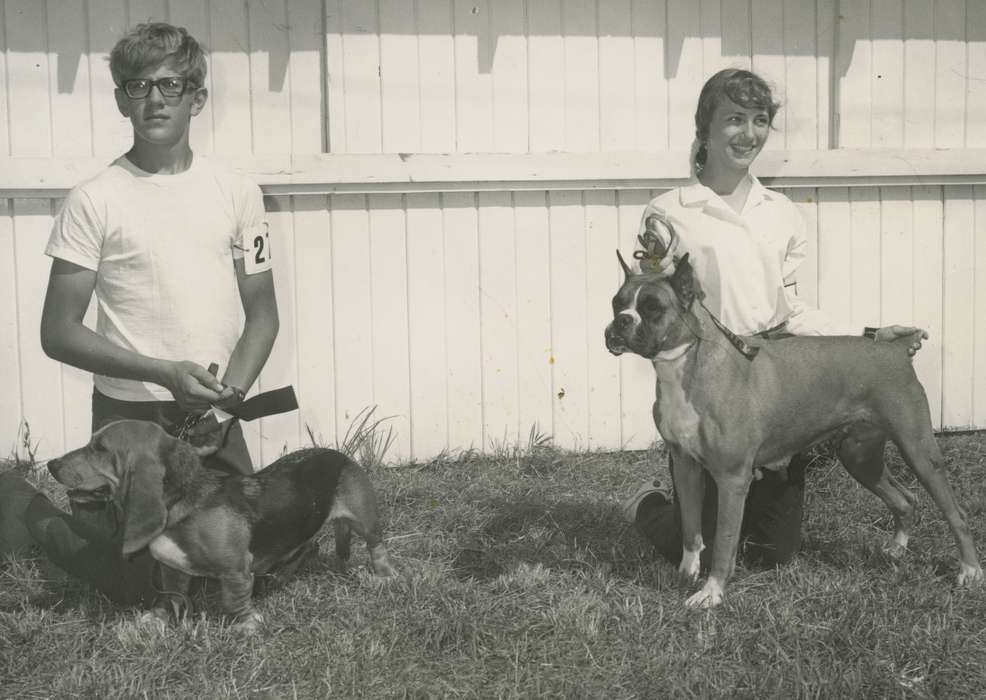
(267, 403)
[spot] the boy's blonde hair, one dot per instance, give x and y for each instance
(152, 44)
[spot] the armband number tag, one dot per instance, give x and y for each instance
(256, 249)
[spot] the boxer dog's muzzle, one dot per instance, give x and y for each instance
(650, 311)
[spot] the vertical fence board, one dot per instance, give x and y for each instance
(806, 200)
(111, 132)
(473, 84)
(864, 257)
(896, 256)
(10, 364)
(352, 308)
(27, 79)
(651, 85)
(546, 65)
(426, 325)
(361, 79)
(834, 244)
(975, 89)
(230, 67)
(603, 278)
(534, 357)
(71, 125)
(4, 106)
(710, 22)
(391, 367)
(568, 318)
(825, 54)
(436, 51)
(581, 75)
(143, 11)
(335, 78)
(40, 376)
(617, 80)
(314, 304)
(686, 73)
(498, 316)
(737, 51)
(928, 245)
(854, 62)
(400, 76)
(979, 309)
(508, 35)
(887, 78)
(269, 59)
(769, 59)
(304, 19)
(465, 380)
(958, 295)
(919, 57)
(950, 73)
(800, 108)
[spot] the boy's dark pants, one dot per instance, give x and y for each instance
(771, 530)
(88, 543)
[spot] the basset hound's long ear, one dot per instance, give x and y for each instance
(144, 512)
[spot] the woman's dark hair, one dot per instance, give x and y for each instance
(744, 88)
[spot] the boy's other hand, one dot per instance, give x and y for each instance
(193, 387)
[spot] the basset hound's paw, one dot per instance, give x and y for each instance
(156, 618)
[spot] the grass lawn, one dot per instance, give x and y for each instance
(520, 579)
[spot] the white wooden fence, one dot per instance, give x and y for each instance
(465, 294)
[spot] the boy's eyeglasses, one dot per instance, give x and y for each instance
(171, 86)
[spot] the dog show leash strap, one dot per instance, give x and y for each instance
(268, 403)
(745, 349)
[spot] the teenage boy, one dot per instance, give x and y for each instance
(176, 250)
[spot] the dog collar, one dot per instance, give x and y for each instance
(673, 353)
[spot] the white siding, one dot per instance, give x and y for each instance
(468, 316)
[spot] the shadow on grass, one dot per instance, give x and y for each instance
(566, 535)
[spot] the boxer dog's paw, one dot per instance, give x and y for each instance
(689, 568)
(248, 623)
(969, 576)
(709, 596)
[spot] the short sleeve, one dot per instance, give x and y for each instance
(77, 231)
(253, 234)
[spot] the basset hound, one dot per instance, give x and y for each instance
(201, 522)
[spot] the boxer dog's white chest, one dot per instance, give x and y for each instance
(677, 420)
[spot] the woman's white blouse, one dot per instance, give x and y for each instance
(745, 262)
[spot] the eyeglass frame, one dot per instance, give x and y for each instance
(186, 83)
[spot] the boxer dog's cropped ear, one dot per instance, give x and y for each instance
(684, 283)
(628, 273)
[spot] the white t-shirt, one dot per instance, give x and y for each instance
(744, 260)
(163, 248)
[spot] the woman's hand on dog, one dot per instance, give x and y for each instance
(889, 333)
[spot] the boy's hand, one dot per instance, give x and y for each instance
(193, 387)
